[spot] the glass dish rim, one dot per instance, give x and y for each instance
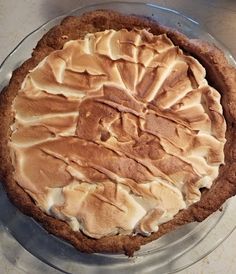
(97, 3)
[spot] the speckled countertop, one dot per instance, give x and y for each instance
(18, 18)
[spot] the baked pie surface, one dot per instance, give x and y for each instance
(115, 130)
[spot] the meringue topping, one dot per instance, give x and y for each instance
(116, 133)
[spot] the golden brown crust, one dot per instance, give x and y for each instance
(219, 73)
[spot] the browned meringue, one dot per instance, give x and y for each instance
(116, 133)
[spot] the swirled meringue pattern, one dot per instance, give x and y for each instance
(116, 133)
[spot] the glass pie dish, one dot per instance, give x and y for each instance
(170, 253)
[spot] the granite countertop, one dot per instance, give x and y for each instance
(18, 18)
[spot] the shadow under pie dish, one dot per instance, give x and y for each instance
(140, 131)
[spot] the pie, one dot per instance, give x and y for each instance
(117, 131)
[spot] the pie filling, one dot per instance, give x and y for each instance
(116, 133)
